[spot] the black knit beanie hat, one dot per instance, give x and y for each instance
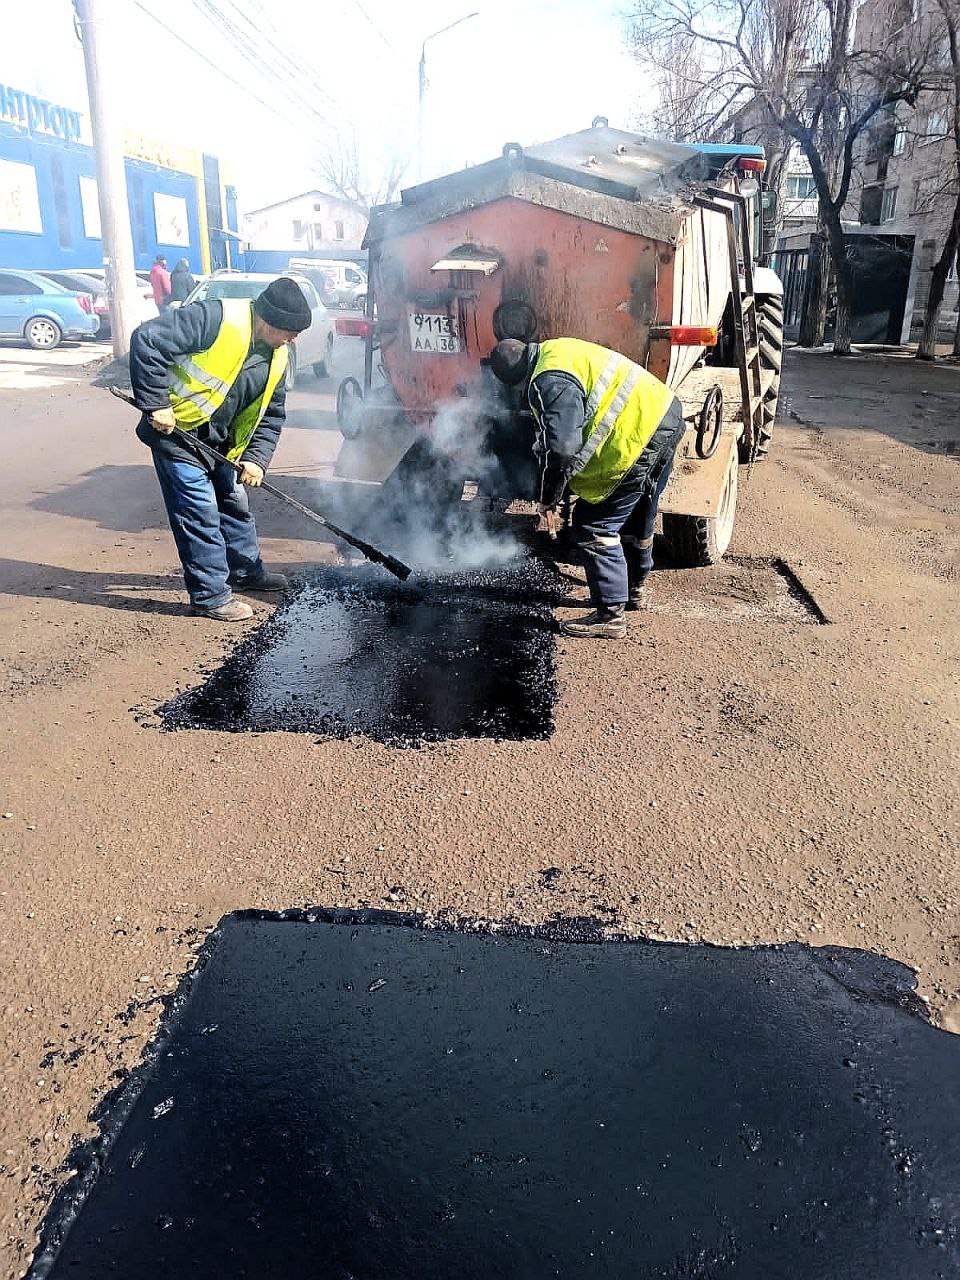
(283, 305)
(510, 361)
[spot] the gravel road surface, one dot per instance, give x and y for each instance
(732, 773)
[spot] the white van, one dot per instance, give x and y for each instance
(344, 282)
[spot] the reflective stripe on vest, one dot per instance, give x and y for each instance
(200, 382)
(624, 407)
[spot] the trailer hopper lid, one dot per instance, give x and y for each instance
(627, 166)
(611, 177)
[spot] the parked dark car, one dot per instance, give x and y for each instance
(82, 283)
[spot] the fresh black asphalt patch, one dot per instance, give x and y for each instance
(355, 1097)
(353, 652)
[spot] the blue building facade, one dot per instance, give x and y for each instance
(49, 212)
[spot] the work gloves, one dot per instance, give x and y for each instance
(548, 521)
(163, 420)
(250, 474)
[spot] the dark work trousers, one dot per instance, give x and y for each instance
(615, 535)
(212, 526)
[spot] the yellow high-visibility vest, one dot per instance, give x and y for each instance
(199, 383)
(625, 405)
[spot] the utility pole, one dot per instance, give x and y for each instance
(422, 86)
(100, 56)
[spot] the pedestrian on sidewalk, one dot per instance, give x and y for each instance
(217, 368)
(182, 283)
(160, 282)
(608, 430)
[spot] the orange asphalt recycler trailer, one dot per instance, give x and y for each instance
(648, 248)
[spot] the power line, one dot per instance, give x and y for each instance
(374, 25)
(252, 53)
(306, 72)
(245, 89)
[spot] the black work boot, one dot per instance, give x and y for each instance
(639, 597)
(266, 581)
(605, 623)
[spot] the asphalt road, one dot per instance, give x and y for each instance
(731, 773)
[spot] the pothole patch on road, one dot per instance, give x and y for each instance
(397, 1101)
(353, 652)
(738, 589)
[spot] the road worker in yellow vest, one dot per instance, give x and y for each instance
(607, 430)
(217, 368)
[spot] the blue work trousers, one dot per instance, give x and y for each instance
(212, 526)
(615, 535)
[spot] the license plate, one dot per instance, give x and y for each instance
(434, 333)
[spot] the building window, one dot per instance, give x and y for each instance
(338, 230)
(298, 231)
(801, 186)
(318, 231)
(888, 204)
(318, 208)
(936, 125)
(925, 194)
(899, 140)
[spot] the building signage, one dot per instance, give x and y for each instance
(19, 198)
(37, 115)
(170, 219)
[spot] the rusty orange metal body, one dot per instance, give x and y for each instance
(580, 278)
(643, 247)
(599, 236)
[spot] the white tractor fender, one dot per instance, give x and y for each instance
(766, 281)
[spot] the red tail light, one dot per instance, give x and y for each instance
(686, 335)
(86, 303)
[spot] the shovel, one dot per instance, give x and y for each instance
(389, 562)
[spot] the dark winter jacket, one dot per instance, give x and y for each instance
(561, 406)
(183, 331)
(182, 284)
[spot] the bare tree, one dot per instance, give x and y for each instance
(948, 42)
(363, 180)
(802, 68)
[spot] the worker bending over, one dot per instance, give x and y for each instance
(608, 430)
(217, 368)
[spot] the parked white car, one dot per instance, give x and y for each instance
(315, 348)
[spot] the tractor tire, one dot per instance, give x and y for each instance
(697, 541)
(770, 324)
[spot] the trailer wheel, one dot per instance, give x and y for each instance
(770, 324)
(349, 408)
(696, 541)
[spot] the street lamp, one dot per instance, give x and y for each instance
(423, 86)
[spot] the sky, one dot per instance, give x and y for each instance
(519, 71)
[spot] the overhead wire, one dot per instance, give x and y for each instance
(272, 107)
(374, 26)
(255, 56)
(261, 29)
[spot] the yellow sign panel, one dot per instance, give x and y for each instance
(165, 154)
